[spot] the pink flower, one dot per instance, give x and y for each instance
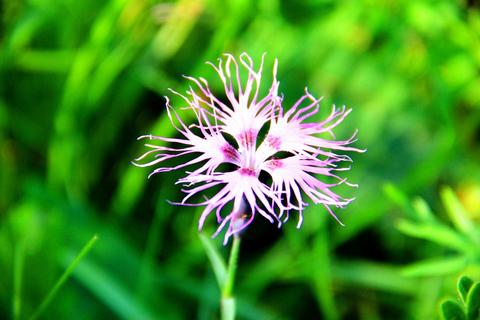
(291, 153)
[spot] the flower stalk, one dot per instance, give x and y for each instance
(228, 302)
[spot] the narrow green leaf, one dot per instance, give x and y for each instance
(399, 198)
(45, 60)
(452, 311)
(373, 275)
(455, 210)
(218, 263)
(464, 285)
(113, 292)
(423, 210)
(473, 302)
(437, 233)
(459, 216)
(63, 278)
(436, 267)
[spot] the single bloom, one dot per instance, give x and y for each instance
(291, 153)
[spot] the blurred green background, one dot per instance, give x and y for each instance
(81, 80)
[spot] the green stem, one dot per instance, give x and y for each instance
(228, 301)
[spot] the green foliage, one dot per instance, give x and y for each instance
(473, 302)
(452, 311)
(470, 294)
(464, 285)
(462, 238)
(81, 80)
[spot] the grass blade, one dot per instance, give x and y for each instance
(63, 278)
(436, 267)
